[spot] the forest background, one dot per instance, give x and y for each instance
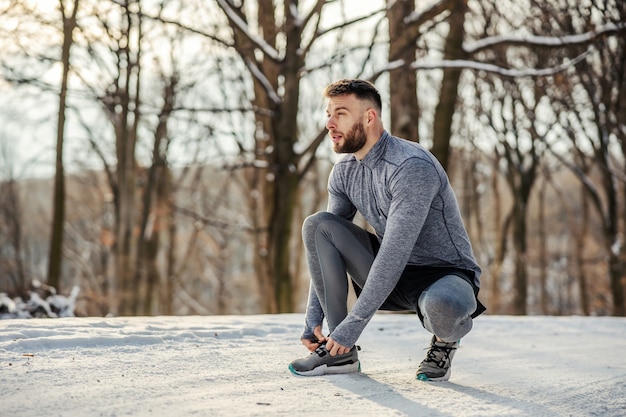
(160, 155)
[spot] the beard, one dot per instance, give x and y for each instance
(353, 141)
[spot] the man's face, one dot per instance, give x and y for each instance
(345, 124)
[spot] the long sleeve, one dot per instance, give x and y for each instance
(314, 314)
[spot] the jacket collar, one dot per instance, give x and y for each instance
(378, 150)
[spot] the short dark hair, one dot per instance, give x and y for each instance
(363, 90)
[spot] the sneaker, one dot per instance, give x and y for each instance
(321, 363)
(437, 365)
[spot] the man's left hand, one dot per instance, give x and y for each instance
(335, 348)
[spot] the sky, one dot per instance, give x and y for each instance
(237, 366)
(29, 120)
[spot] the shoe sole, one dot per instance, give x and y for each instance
(424, 377)
(329, 370)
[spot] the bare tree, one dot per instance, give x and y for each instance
(147, 110)
(55, 260)
(495, 54)
(122, 104)
(599, 79)
(156, 204)
(275, 55)
(519, 153)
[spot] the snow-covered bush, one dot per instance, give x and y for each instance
(43, 301)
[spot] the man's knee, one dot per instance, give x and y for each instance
(447, 321)
(312, 222)
(449, 305)
(447, 310)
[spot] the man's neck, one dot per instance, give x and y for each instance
(372, 139)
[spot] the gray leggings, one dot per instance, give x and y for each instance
(336, 247)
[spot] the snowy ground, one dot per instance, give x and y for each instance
(237, 366)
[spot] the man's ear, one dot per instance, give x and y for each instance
(371, 116)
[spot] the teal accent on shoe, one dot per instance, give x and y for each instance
(293, 371)
(422, 377)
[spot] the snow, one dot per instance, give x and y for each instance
(237, 366)
(532, 40)
(54, 305)
(505, 72)
(243, 26)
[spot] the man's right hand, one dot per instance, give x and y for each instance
(319, 338)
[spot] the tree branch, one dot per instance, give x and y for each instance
(267, 85)
(505, 72)
(210, 222)
(418, 18)
(349, 23)
(533, 41)
(188, 29)
(267, 49)
(310, 151)
(480, 66)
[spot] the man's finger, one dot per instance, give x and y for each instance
(318, 334)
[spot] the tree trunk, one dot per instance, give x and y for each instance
(500, 236)
(55, 260)
(263, 200)
(286, 175)
(155, 207)
(581, 239)
(616, 273)
(280, 239)
(621, 135)
(618, 281)
(126, 121)
(403, 80)
(543, 248)
(275, 177)
(167, 292)
(521, 182)
(444, 112)
(11, 210)
(520, 282)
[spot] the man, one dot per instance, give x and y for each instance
(419, 259)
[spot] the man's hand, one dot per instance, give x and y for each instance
(313, 344)
(335, 348)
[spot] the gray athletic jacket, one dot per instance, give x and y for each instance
(404, 194)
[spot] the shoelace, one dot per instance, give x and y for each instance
(322, 351)
(439, 355)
